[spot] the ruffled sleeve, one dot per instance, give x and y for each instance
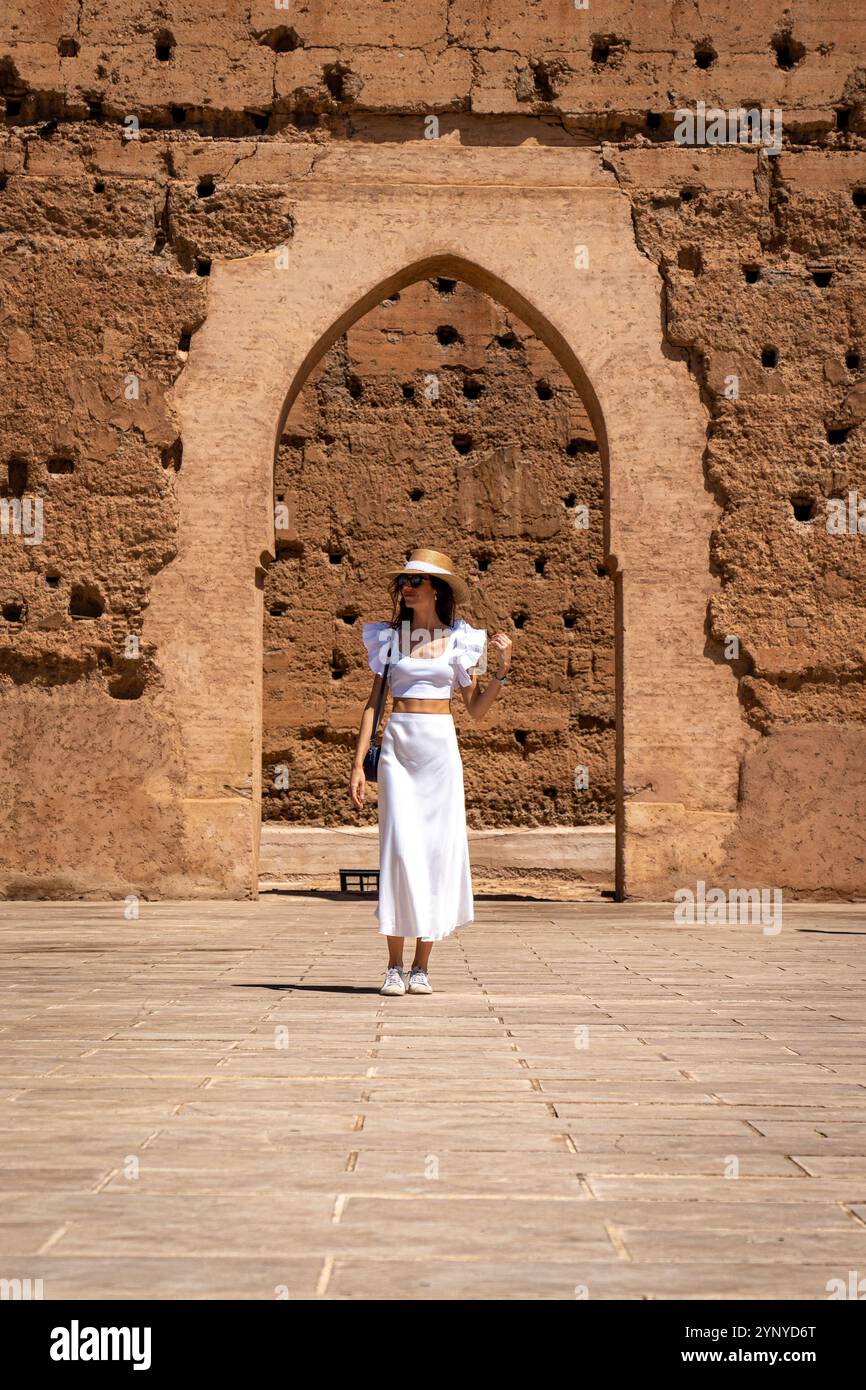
(377, 639)
(468, 649)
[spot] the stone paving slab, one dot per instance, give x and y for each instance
(214, 1101)
(706, 1190)
(570, 1279)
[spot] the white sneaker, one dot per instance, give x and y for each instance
(394, 983)
(418, 981)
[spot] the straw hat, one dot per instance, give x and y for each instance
(435, 563)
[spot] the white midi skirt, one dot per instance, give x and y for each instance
(425, 885)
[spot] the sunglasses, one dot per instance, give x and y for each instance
(413, 579)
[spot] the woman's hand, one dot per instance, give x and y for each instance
(357, 787)
(502, 645)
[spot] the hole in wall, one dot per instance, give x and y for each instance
(85, 601)
(858, 197)
(462, 443)
(206, 187)
(543, 81)
(164, 44)
(540, 564)
(282, 38)
(202, 265)
(601, 47)
(334, 77)
(60, 463)
(178, 114)
(408, 391)
(803, 506)
(853, 361)
(336, 557)
(520, 620)
(690, 258)
(822, 278)
(838, 434)
(13, 611)
(769, 357)
(17, 473)
(67, 47)
(415, 494)
(473, 390)
(705, 55)
(843, 118)
(128, 685)
(446, 334)
(544, 390)
(303, 119)
(789, 51)
(172, 455)
(507, 339)
(483, 562)
(751, 274)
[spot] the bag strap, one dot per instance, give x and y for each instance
(380, 701)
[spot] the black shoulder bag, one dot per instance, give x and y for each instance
(371, 758)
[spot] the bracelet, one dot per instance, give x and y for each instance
(501, 679)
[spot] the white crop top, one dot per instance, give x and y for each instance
(424, 678)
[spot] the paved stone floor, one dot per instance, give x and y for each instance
(214, 1101)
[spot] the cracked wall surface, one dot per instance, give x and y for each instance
(109, 249)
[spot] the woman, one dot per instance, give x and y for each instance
(425, 886)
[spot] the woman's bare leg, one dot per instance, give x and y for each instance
(422, 953)
(395, 951)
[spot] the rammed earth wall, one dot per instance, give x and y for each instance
(167, 296)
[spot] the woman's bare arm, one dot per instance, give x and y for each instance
(476, 700)
(357, 780)
(365, 733)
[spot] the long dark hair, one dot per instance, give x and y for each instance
(443, 603)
